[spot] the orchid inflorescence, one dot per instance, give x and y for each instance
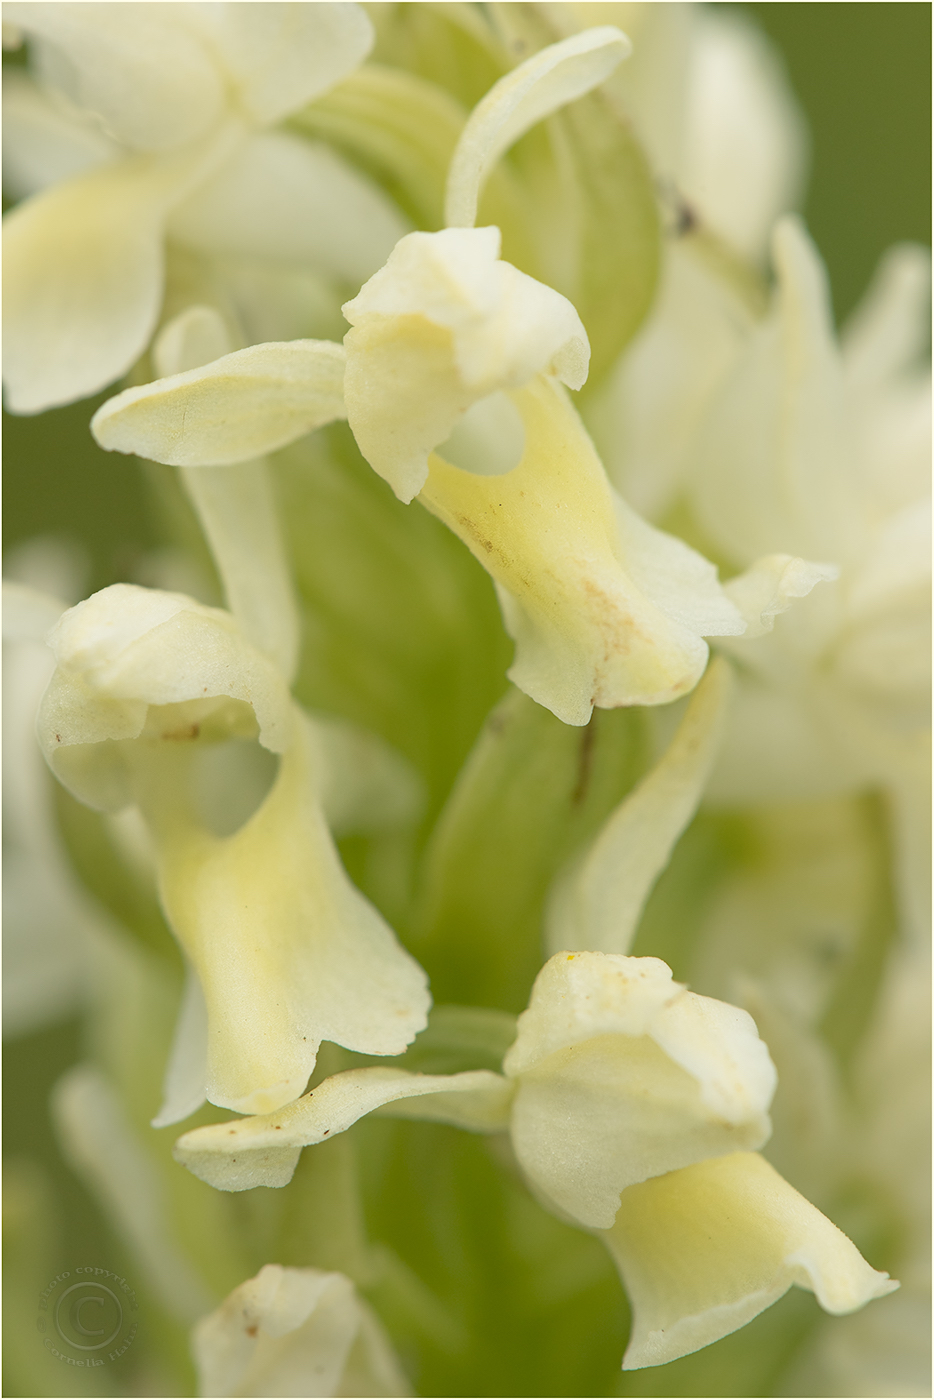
(703, 518)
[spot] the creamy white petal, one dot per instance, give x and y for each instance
(675, 577)
(774, 464)
(186, 1071)
(771, 586)
(623, 1075)
(49, 925)
(83, 275)
(295, 201)
(811, 1143)
(264, 1151)
(704, 1250)
(195, 337)
(43, 144)
(597, 905)
(887, 333)
(894, 427)
(288, 952)
(443, 325)
(372, 1367)
(241, 406)
(102, 1147)
(651, 87)
(645, 416)
(745, 138)
(282, 56)
(546, 81)
(143, 69)
(237, 509)
(604, 609)
(578, 996)
(128, 648)
(292, 1332)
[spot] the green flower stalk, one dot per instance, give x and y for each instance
(479, 802)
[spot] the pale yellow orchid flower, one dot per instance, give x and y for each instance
(633, 1107)
(286, 952)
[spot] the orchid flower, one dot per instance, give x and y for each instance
(632, 1107)
(154, 124)
(291, 1330)
(286, 952)
(451, 345)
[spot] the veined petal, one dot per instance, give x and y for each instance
(604, 609)
(704, 1250)
(293, 200)
(83, 275)
(624, 1076)
(143, 69)
(264, 1151)
(294, 1332)
(282, 56)
(548, 80)
(41, 143)
(245, 404)
(288, 952)
(443, 325)
(596, 906)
